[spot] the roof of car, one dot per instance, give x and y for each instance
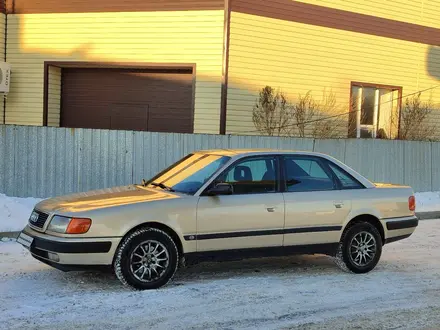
(240, 152)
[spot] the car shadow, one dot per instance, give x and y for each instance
(261, 267)
(202, 272)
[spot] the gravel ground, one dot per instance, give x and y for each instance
(306, 292)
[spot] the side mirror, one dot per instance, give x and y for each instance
(220, 189)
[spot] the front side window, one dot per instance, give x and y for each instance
(252, 176)
(307, 174)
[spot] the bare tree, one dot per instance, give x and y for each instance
(303, 112)
(330, 122)
(414, 120)
(271, 112)
(352, 118)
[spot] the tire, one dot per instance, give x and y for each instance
(146, 259)
(347, 256)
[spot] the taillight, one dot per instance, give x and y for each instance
(412, 203)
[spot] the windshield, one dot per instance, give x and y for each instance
(189, 174)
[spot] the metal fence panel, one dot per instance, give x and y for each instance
(295, 144)
(242, 142)
(9, 159)
(2, 158)
(51, 156)
(33, 163)
(70, 168)
(334, 148)
(417, 165)
(377, 160)
(49, 161)
(388, 164)
(435, 166)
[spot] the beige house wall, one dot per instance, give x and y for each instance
(194, 36)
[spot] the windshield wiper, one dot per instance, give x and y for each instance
(161, 185)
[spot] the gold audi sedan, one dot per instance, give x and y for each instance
(223, 205)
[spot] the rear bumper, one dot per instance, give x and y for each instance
(402, 223)
(69, 254)
(397, 229)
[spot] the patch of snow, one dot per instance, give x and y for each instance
(15, 212)
(428, 201)
(307, 292)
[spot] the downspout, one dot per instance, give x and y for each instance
(225, 66)
(4, 55)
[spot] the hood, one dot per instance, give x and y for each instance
(103, 198)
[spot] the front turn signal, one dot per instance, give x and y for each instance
(78, 226)
(412, 203)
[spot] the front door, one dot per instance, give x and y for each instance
(316, 206)
(252, 217)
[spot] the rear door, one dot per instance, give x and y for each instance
(316, 207)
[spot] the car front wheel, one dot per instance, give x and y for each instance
(146, 259)
(360, 248)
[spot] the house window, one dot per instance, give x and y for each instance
(374, 111)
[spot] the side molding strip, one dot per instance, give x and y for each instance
(262, 232)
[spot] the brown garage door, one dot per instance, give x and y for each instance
(127, 99)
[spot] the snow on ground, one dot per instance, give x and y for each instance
(403, 292)
(428, 201)
(15, 212)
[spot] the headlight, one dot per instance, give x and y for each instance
(65, 225)
(59, 224)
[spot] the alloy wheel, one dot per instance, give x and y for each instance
(363, 248)
(149, 261)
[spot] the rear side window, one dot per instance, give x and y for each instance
(346, 180)
(307, 174)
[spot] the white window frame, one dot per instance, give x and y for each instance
(378, 87)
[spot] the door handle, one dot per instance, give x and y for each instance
(270, 209)
(338, 205)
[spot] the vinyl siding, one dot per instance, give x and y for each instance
(296, 58)
(423, 12)
(147, 37)
(54, 96)
(431, 13)
(2, 58)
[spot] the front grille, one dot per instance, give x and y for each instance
(41, 219)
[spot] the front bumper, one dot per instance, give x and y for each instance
(69, 253)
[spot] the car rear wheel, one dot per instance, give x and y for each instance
(360, 248)
(146, 259)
